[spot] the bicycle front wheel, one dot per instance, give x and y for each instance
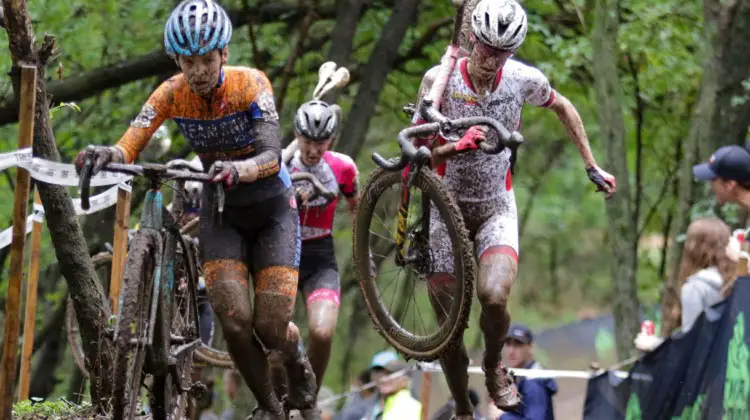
(381, 223)
(133, 322)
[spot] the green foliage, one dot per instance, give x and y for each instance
(31, 409)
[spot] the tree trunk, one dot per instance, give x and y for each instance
(721, 117)
(374, 75)
(65, 232)
(348, 13)
(622, 229)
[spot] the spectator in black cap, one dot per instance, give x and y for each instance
(729, 173)
(536, 393)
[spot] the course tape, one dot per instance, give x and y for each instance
(98, 202)
(543, 373)
(55, 172)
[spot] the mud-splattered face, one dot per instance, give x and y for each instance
(202, 72)
(486, 61)
(312, 151)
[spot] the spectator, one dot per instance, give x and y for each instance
(327, 411)
(394, 400)
(728, 170)
(705, 268)
(359, 403)
(447, 411)
(232, 383)
(536, 394)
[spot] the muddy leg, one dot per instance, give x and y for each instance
(226, 282)
(275, 293)
(321, 318)
(497, 273)
(455, 361)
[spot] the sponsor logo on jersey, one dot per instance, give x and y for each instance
(465, 97)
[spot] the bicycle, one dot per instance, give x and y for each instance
(411, 245)
(156, 330)
(209, 355)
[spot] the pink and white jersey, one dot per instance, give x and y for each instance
(475, 176)
(339, 174)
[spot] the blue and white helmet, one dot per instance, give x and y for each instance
(196, 27)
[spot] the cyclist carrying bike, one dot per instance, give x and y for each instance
(490, 83)
(228, 116)
(316, 126)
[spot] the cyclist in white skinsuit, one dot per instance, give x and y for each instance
(489, 83)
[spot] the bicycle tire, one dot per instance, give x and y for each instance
(168, 402)
(71, 322)
(423, 348)
(133, 322)
(213, 357)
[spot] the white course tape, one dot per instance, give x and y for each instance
(6, 236)
(533, 373)
(98, 202)
(11, 159)
(65, 174)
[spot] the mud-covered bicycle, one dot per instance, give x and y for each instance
(420, 195)
(156, 330)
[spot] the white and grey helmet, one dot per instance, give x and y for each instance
(500, 24)
(316, 120)
(197, 27)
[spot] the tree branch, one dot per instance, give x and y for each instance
(294, 54)
(88, 84)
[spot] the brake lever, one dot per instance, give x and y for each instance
(84, 183)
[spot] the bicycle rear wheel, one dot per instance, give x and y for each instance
(428, 199)
(71, 322)
(133, 322)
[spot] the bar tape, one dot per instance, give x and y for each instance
(98, 202)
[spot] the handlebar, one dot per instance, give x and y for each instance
(318, 187)
(422, 155)
(155, 172)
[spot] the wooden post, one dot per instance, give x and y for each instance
(29, 319)
(120, 246)
(15, 274)
(425, 394)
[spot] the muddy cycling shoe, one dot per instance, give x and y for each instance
(301, 385)
(310, 414)
(262, 414)
(502, 387)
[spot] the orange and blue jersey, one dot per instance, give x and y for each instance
(238, 123)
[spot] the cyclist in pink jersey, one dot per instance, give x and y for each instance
(316, 125)
(489, 83)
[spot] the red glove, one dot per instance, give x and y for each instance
(471, 139)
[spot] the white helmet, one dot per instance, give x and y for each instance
(500, 24)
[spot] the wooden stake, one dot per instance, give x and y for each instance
(425, 394)
(15, 274)
(120, 246)
(29, 320)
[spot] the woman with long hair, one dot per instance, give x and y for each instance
(706, 269)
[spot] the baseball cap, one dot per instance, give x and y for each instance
(387, 360)
(728, 162)
(520, 333)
